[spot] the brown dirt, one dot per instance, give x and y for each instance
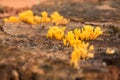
(26, 53)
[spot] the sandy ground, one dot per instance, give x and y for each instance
(17, 4)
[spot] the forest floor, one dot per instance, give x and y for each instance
(27, 54)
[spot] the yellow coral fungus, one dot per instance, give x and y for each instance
(110, 51)
(45, 17)
(88, 32)
(69, 37)
(26, 16)
(37, 19)
(77, 33)
(29, 17)
(11, 19)
(58, 19)
(81, 51)
(23, 16)
(97, 32)
(56, 32)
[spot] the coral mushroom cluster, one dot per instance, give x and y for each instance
(76, 39)
(56, 32)
(86, 33)
(81, 50)
(29, 17)
(58, 19)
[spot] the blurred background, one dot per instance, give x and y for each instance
(79, 10)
